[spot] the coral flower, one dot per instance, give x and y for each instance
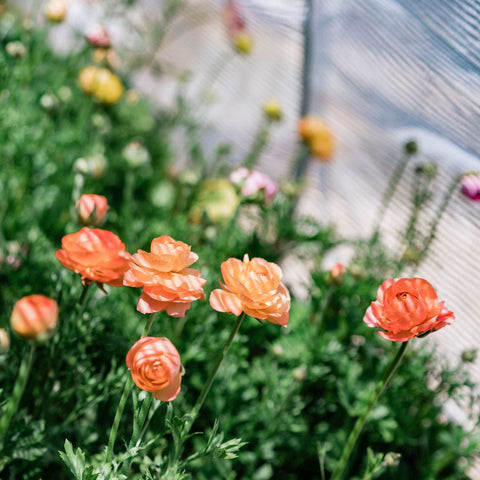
(91, 209)
(156, 367)
(98, 255)
(407, 308)
(168, 284)
(254, 287)
(99, 37)
(34, 316)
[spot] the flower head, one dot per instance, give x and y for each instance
(98, 255)
(217, 199)
(253, 181)
(407, 308)
(34, 316)
(56, 10)
(91, 209)
(99, 37)
(168, 284)
(470, 185)
(316, 134)
(254, 287)
(101, 83)
(156, 367)
(273, 110)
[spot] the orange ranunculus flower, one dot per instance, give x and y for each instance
(156, 367)
(34, 316)
(91, 209)
(317, 135)
(98, 255)
(407, 308)
(167, 282)
(254, 287)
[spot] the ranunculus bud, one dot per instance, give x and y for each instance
(48, 102)
(242, 41)
(392, 459)
(91, 210)
(93, 166)
(216, 199)
(16, 49)
(56, 10)
(4, 341)
(136, 155)
(336, 274)
(300, 373)
(470, 185)
(407, 308)
(86, 78)
(156, 367)
(108, 87)
(34, 317)
(98, 37)
(273, 110)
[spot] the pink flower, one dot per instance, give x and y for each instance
(99, 37)
(254, 181)
(470, 185)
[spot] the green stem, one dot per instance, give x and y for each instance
(438, 216)
(206, 388)
(123, 400)
(118, 416)
(149, 324)
(391, 189)
(259, 143)
(357, 429)
(17, 393)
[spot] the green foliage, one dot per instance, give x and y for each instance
(283, 401)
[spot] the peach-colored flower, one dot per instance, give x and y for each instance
(316, 134)
(254, 287)
(34, 316)
(98, 255)
(91, 209)
(156, 367)
(56, 10)
(407, 308)
(168, 284)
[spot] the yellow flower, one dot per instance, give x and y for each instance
(108, 87)
(86, 78)
(242, 42)
(317, 135)
(56, 10)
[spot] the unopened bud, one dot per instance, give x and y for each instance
(91, 210)
(4, 341)
(34, 317)
(242, 42)
(392, 459)
(273, 110)
(56, 10)
(469, 356)
(300, 373)
(136, 155)
(411, 147)
(16, 49)
(49, 102)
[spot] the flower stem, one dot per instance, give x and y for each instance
(206, 388)
(17, 393)
(116, 421)
(123, 400)
(357, 429)
(259, 143)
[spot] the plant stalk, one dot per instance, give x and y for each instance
(358, 427)
(17, 393)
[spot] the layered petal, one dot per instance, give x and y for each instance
(406, 308)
